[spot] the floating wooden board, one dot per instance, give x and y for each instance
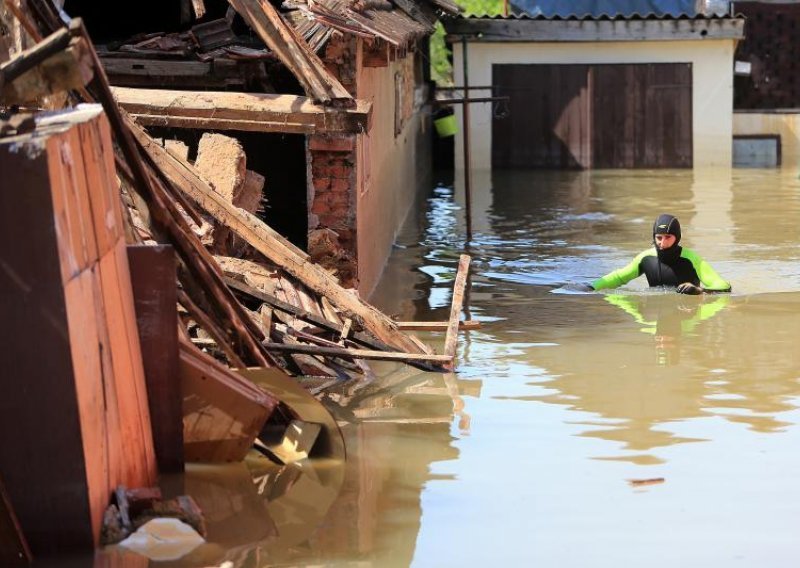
(468, 325)
(222, 412)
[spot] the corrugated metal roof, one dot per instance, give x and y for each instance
(600, 17)
(631, 9)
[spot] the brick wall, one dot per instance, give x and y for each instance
(340, 59)
(332, 238)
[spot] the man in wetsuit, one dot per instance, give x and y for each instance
(668, 264)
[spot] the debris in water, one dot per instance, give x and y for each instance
(643, 482)
(163, 539)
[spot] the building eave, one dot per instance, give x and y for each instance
(588, 30)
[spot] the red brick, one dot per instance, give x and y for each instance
(322, 171)
(339, 201)
(340, 171)
(330, 144)
(322, 184)
(320, 207)
(340, 185)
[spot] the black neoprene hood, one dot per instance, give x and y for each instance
(667, 224)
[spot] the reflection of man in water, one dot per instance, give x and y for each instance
(666, 320)
(668, 264)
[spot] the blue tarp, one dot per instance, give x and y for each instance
(597, 8)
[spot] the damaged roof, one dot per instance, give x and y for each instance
(398, 23)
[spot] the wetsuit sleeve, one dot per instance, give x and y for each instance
(709, 278)
(622, 275)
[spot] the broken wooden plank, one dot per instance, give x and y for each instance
(210, 327)
(273, 246)
(348, 323)
(199, 8)
(34, 56)
(222, 412)
(214, 110)
(144, 72)
(356, 337)
(293, 51)
(67, 69)
(357, 353)
(213, 34)
(167, 218)
(202, 123)
(329, 311)
(464, 325)
(451, 338)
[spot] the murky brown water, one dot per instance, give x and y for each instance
(526, 458)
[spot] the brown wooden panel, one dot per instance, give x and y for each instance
(73, 423)
(39, 421)
(153, 276)
(222, 411)
(600, 116)
(547, 126)
(643, 115)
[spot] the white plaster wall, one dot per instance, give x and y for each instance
(389, 172)
(712, 93)
(786, 125)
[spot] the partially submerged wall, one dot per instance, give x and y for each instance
(394, 160)
(784, 124)
(712, 89)
(361, 187)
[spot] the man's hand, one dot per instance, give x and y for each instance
(689, 288)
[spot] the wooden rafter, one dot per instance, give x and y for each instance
(293, 51)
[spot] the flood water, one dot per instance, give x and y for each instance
(626, 428)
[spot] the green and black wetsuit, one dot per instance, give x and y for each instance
(685, 266)
(668, 267)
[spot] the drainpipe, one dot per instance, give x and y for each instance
(465, 128)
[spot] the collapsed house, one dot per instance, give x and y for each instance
(126, 225)
(339, 180)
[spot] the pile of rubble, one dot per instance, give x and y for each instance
(240, 295)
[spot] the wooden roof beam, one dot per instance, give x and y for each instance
(210, 110)
(294, 52)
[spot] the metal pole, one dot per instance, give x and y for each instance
(467, 160)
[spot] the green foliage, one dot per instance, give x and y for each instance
(441, 69)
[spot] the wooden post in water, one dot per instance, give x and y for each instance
(451, 338)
